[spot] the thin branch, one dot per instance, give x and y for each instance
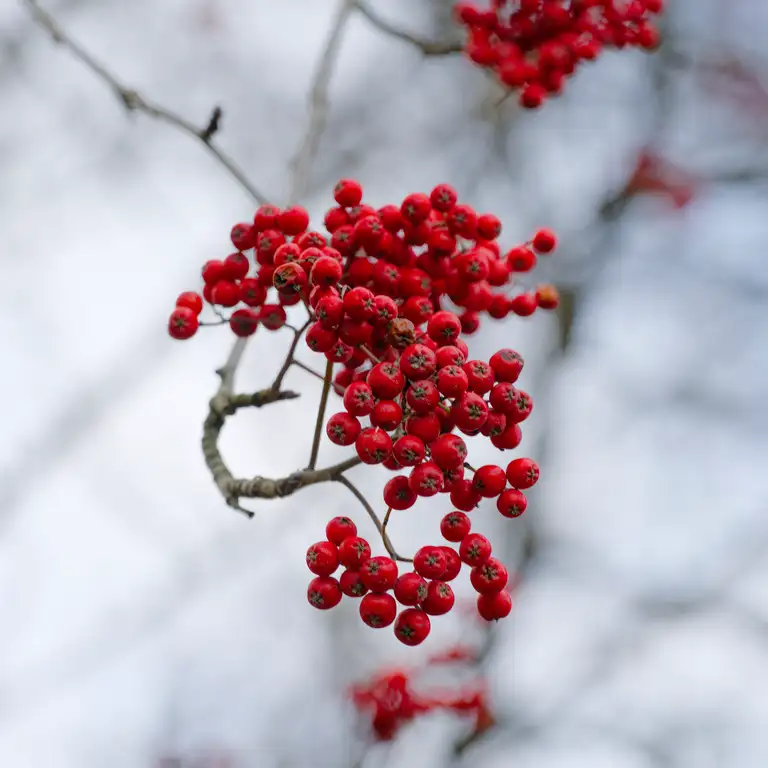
(379, 526)
(305, 367)
(135, 102)
(318, 105)
(427, 47)
(289, 358)
(321, 414)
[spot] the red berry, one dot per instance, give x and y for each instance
(464, 496)
(450, 356)
(469, 412)
(417, 361)
(386, 380)
(289, 278)
(340, 528)
(252, 292)
(191, 300)
(351, 584)
(422, 396)
(373, 445)
(522, 473)
(494, 606)
(443, 197)
(474, 549)
(452, 564)
(512, 503)
(509, 438)
(544, 241)
(444, 328)
(547, 296)
(426, 479)
(359, 304)
(348, 193)
(479, 376)
(293, 221)
(236, 266)
(244, 322)
(386, 414)
(490, 577)
(429, 562)
(266, 218)
(379, 574)
(426, 427)
(225, 293)
(521, 259)
(325, 271)
(489, 481)
(243, 236)
(320, 339)
(416, 208)
(455, 526)
(323, 558)
(507, 365)
(183, 323)
(353, 552)
(448, 451)
(412, 626)
(524, 304)
(410, 589)
(409, 450)
(398, 493)
(358, 399)
(440, 599)
(272, 317)
(324, 592)
(378, 610)
(342, 428)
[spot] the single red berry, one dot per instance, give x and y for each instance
(524, 304)
(452, 381)
(379, 574)
(340, 528)
(469, 412)
(429, 562)
(464, 496)
(243, 236)
(252, 292)
(547, 296)
(512, 503)
(455, 526)
(183, 323)
(323, 558)
(386, 380)
(494, 425)
(340, 352)
(342, 428)
(508, 439)
(452, 564)
(448, 451)
(272, 317)
(490, 577)
(358, 399)
(532, 96)
(521, 259)
(386, 414)
(236, 266)
(440, 599)
(378, 610)
(544, 241)
(444, 328)
(522, 473)
(480, 376)
(450, 356)
(426, 427)
(412, 626)
(353, 552)
(416, 208)
(225, 293)
(426, 479)
(320, 339)
(409, 450)
(373, 445)
(351, 584)
(422, 396)
(507, 365)
(335, 218)
(359, 304)
(488, 226)
(348, 193)
(325, 271)
(330, 312)
(410, 589)
(494, 606)
(489, 481)
(266, 218)
(213, 271)
(462, 220)
(443, 197)
(289, 278)
(293, 220)
(398, 493)
(244, 322)
(324, 592)
(474, 549)
(191, 300)
(417, 362)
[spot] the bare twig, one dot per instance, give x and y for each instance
(369, 509)
(321, 414)
(135, 102)
(309, 370)
(427, 47)
(289, 358)
(318, 105)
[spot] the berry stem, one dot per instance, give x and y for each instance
(321, 414)
(339, 478)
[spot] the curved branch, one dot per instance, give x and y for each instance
(135, 102)
(380, 527)
(427, 47)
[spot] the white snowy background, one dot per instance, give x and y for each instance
(141, 619)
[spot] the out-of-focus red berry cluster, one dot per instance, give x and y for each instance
(655, 176)
(532, 46)
(392, 699)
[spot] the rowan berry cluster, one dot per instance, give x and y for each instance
(392, 698)
(375, 295)
(533, 46)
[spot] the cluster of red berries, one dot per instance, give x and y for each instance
(399, 262)
(423, 592)
(534, 45)
(392, 700)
